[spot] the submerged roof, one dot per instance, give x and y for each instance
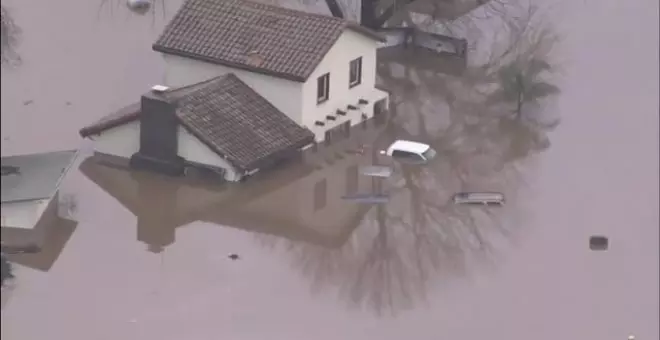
(229, 117)
(256, 37)
(38, 176)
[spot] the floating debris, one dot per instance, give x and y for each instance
(479, 198)
(234, 257)
(376, 171)
(139, 6)
(368, 198)
(598, 243)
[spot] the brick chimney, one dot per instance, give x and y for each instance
(159, 140)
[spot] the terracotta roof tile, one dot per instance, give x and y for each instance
(257, 37)
(229, 117)
(239, 123)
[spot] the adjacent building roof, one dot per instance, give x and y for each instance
(230, 118)
(256, 37)
(35, 176)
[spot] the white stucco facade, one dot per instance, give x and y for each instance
(350, 45)
(285, 95)
(124, 141)
(295, 99)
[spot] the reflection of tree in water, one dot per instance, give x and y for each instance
(9, 36)
(392, 258)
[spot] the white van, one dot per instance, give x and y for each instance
(410, 152)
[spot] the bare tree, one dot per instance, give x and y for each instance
(9, 38)
(420, 238)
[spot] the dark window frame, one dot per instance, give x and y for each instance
(355, 72)
(323, 88)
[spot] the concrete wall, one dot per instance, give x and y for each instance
(27, 222)
(123, 141)
(349, 46)
(24, 214)
(285, 95)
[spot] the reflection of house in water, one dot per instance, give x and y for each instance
(299, 201)
(57, 236)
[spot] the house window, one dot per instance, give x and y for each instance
(355, 72)
(351, 179)
(320, 193)
(323, 88)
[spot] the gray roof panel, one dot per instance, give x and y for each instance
(38, 175)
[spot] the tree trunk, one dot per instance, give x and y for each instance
(368, 13)
(521, 98)
(334, 8)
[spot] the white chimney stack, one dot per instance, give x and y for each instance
(159, 88)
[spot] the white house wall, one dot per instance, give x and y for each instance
(285, 95)
(193, 150)
(349, 46)
(124, 141)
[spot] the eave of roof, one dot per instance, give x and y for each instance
(124, 116)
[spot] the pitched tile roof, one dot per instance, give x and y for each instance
(236, 121)
(256, 37)
(230, 118)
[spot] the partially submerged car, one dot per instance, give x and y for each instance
(479, 198)
(410, 152)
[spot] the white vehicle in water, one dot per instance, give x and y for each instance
(410, 152)
(479, 198)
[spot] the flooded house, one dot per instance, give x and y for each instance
(30, 196)
(300, 200)
(247, 86)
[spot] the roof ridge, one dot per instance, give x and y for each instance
(224, 32)
(286, 9)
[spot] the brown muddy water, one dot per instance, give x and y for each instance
(149, 256)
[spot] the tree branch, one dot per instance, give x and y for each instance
(379, 21)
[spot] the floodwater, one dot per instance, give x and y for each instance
(147, 257)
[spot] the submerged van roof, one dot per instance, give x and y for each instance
(410, 146)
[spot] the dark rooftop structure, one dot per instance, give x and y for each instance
(252, 36)
(34, 176)
(229, 117)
